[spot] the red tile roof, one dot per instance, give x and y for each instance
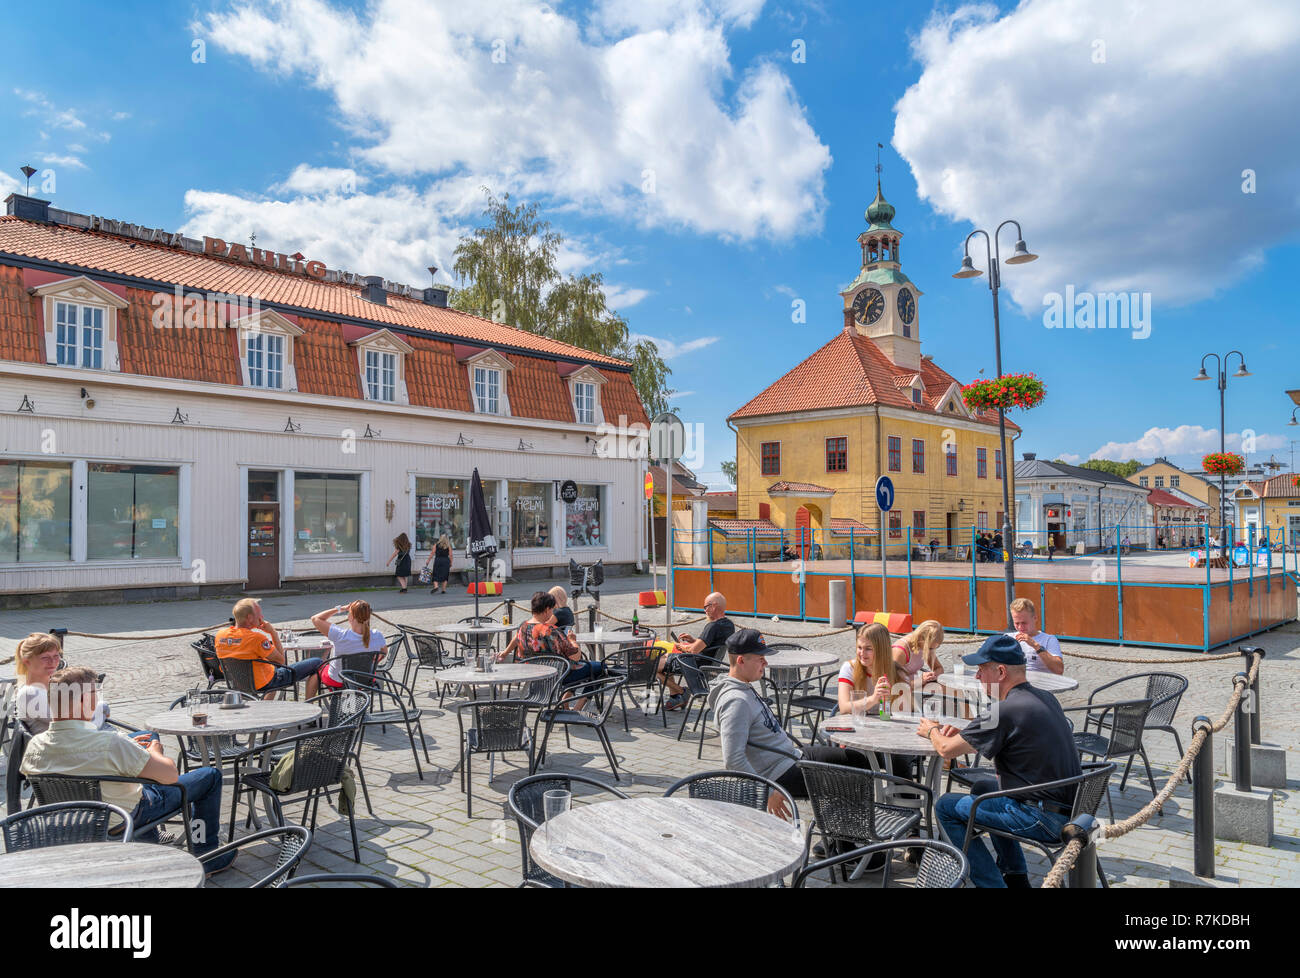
(1279, 487)
(797, 487)
(762, 528)
(1158, 497)
(323, 360)
(851, 371)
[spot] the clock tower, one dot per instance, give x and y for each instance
(884, 301)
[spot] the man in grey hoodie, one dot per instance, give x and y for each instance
(752, 739)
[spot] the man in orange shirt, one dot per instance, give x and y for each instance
(252, 637)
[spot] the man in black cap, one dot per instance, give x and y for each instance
(1027, 737)
(752, 739)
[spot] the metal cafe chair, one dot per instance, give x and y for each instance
(65, 823)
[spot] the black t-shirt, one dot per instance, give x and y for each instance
(1029, 741)
(564, 617)
(717, 633)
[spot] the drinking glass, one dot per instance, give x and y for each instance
(858, 706)
(554, 803)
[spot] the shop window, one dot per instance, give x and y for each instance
(132, 512)
(35, 511)
(530, 514)
(326, 513)
(583, 522)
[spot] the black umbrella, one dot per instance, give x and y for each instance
(482, 545)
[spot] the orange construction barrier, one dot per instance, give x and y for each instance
(485, 587)
(896, 623)
(652, 599)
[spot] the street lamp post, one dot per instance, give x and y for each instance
(1221, 370)
(968, 270)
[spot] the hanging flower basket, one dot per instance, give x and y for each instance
(1223, 463)
(1295, 482)
(1010, 391)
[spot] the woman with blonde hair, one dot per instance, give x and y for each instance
(872, 669)
(915, 653)
(440, 557)
(37, 658)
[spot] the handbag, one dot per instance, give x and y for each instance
(426, 575)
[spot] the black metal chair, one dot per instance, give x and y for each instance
(476, 645)
(50, 789)
(65, 823)
(638, 663)
(404, 711)
(845, 809)
(525, 803)
(338, 879)
(735, 787)
(424, 650)
(395, 646)
(943, 866)
(206, 647)
(496, 727)
(1089, 787)
(596, 691)
(293, 841)
(1124, 723)
(346, 708)
(808, 698)
(778, 681)
(319, 759)
(695, 673)
(238, 674)
(1165, 691)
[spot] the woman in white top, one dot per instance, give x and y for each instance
(358, 636)
(36, 660)
(871, 670)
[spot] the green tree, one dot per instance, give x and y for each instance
(1121, 469)
(508, 266)
(729, 471)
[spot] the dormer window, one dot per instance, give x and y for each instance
(584, 403)
(487, 390)
(916, 396)
(266, 354)
(80, 323)
(266, 361)
(381, 375)
(381, 359)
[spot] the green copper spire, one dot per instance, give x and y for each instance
(880, 212)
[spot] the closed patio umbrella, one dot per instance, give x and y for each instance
(481, 545)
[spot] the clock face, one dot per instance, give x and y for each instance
(868, 305)
(906, 306)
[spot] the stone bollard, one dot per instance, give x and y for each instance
(837, 604)
(1240, 814)
(1267, 761)
(591, 618)
(59, 633)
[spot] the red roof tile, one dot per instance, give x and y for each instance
(1158, 497)
(797, 487)
(851, 371)
(20, 335)
(761, 528)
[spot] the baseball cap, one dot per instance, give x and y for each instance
(998, 648)
(748, 641)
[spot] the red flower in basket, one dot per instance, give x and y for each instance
(1295, 481)
(1223, 463)
(1012, 390)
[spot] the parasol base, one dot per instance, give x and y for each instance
(485, 587)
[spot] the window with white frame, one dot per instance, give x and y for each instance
(266, 360)
(381, 375)
(584, 402)
(79, 335)
(487, 390)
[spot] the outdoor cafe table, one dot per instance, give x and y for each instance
(257, 716)
(801, 658)
(667, 842)
(306, 646)
(610, 637)
(502, 674)
(101, 865)
(489, 631)
(1048, 681)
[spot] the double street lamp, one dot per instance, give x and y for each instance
(1221, 370)
(1019, 256)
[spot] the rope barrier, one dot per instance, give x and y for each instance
(1065, 861)
(143, 638)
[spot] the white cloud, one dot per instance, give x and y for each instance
(1070, 458)
(8, 185)
(622, 297)
(670, 350)
(1126, 174)
(1186, 439)
(70, 161)
(649, 122)
(677, 394)
(307, 179)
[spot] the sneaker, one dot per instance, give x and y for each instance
(675, 702)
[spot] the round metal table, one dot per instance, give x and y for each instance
(306, 647)
(101, 865)
(259, 716)
(600, 640)
(1048, 681)
(667, 842)
(481, 637)
(801, 659)
(896, 735)
(502, 674)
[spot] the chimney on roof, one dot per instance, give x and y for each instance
(1030, 456)
(848, 320)
(435, 295)
(28, 208)
(373, 290)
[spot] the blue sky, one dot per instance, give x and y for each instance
(712, 158)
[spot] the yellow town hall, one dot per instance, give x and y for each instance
(810, 446)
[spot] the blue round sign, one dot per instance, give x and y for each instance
(885, 493)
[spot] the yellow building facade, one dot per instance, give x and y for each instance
(1163, 474)
(810, 446)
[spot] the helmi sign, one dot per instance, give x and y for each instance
(74, 932)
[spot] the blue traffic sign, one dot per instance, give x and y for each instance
(885, 493)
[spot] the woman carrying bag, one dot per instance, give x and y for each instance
(440, 557)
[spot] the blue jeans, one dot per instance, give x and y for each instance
(1006, 814)
(204, 788)
(296, 673)
(582, 672)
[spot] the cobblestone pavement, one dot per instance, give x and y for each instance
(419, 833)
